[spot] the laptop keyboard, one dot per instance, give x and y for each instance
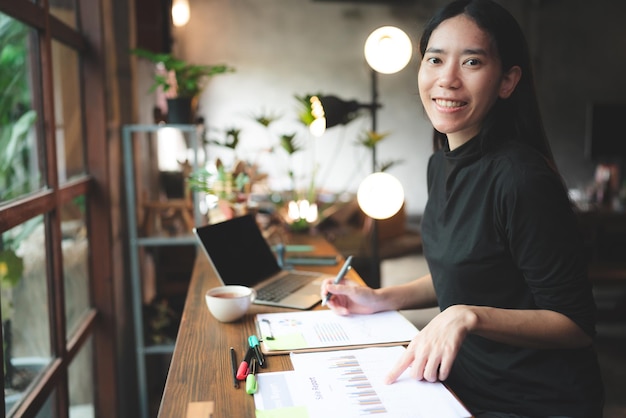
(281, 288)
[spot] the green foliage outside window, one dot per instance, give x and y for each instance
(16, 115)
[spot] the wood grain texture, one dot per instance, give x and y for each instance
(200, 370)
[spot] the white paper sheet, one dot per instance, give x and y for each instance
(349, 383)
(324, 328)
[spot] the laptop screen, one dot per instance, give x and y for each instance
(238, 251)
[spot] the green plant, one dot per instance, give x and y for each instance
(16, 115)
(305, 112)
(11, 268)
(226, 185)
(370, 139)
(189, 78)
(11, 271)
(231, 139)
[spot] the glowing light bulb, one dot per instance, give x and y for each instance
(380, 195)
(180, 12)
(312, 213)
(388, 50)
(318, 126)
(293, 211)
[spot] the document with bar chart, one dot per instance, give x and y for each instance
(349, 383)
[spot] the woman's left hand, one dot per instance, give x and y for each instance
(432, 351)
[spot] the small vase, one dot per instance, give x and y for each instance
(180, 110)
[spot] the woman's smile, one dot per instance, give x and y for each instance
(447, 105)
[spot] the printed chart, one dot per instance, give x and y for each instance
(355, 385)
(350, 383)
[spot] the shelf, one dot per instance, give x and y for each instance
(142, 139)
(159, 349)
(161, 241)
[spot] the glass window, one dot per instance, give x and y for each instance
(46, 410)
(68, 113)
(19, 164)
(81, 383)
(44, 119)
(25, 317)
(65, 11)
(75, 255)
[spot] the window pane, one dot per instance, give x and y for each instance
(65, 11)
(68, 113)
(75, 251)
(25, 319)
(47, 410)
(19, 164)
(81, 381)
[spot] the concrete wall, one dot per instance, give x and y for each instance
(283, 48)
(580, 58)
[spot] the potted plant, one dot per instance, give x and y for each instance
(181, 82)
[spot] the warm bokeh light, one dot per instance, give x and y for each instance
(380, 195)
(180, 12)
(318, 126)
(302, 209)
(388, 50)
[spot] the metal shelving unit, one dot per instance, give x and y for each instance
(132, 133)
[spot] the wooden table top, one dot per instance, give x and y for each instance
(200, 370)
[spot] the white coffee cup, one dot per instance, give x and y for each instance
(229, 303)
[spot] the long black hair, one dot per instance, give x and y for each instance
(517, 117)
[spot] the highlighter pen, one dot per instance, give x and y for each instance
(242, 371)
(253, 341)
(251, 384)
(344, 269)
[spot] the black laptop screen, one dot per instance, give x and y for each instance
(238, 251)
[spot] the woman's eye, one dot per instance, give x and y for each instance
(472, 62)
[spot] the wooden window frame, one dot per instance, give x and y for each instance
(97, 325)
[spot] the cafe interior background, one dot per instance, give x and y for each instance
(282, 50)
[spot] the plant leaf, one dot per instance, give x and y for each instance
(11, 268)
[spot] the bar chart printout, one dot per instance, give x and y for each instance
(355, 385)
(349, 383)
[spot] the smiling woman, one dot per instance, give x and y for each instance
(499, 234)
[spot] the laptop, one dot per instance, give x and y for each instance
(240, 255)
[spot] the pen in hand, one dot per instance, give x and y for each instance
(344, 269)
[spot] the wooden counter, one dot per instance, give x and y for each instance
(200, 370)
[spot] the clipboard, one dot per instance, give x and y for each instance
(323, 330)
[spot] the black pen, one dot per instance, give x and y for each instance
(344, 269)
(233, 363)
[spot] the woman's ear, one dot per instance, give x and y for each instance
(509, 82)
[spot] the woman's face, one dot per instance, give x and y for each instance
(460, 78)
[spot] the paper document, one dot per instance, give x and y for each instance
(349, 383)
(323, 329)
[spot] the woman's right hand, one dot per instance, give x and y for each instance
(349, 297)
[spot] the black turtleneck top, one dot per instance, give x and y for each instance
(498, 230)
